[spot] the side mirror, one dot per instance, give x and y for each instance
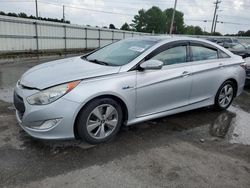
(152, 65)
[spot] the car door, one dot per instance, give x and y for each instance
(208, 71)
(168, 88)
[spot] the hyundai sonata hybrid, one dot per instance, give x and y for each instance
(133, 80)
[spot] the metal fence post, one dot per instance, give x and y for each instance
(123, 34)
(86, 37)
(112, 35)
(36, 36)
(99, 39)
(65, 39)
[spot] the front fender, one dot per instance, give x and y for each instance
(115, 85)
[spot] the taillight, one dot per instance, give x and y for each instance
(244, 66)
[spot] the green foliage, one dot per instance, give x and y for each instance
(151, 21)
(156, 20)
(193, 30)
(217, 34)
(179, 27)
(243, 33)
(111, 26)
(139, 21)
(125, 27)
(22, 15)
(247, 33)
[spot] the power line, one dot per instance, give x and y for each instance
(87, 9)
(180, 4)
(118, 13)
(221, 22)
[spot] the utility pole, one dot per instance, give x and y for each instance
(215, 23)
(63, 13)
(215, 12)
(172, 21)
(36, 10)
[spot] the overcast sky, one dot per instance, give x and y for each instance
(235, 12)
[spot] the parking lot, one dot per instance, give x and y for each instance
(200, 148)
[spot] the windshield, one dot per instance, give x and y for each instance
(121, 52)
(238, 47)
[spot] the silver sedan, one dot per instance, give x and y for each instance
(124, 83)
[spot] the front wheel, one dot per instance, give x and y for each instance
(99, 121)
(225, 95)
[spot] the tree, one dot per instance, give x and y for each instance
(22, 15)
(193, 30)
(241, 33)
(2, 13)
(12, 14)
(125, 27)
(247, 33)
(151, 20)
(156, 20)
(111, 26)
(217, 34)
(139, 21)
(178, 21)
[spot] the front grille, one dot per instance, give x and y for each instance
(19, 104)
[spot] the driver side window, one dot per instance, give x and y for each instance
(172, 56)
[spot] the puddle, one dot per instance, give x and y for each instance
(220, 127)
(24, 141)
(233, 125)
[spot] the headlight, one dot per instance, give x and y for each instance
(52, 94)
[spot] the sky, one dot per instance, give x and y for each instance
(234, 13)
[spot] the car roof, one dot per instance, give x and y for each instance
(168, 38)
(172, 38)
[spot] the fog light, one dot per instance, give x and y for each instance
(48, 124)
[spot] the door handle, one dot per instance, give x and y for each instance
(185, 74)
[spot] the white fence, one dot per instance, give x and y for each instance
(24, 35)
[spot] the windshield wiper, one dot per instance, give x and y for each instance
(98, 61)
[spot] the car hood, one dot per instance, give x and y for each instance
(62, 71)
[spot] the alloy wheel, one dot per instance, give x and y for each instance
(102, 121)
(226, 95)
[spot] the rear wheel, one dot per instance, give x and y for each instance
(225, 95)
(99, 121)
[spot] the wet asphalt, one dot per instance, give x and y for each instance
(199, 148)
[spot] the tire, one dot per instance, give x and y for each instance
(92, 124)
(227, 97)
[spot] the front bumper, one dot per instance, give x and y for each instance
(30, 117)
